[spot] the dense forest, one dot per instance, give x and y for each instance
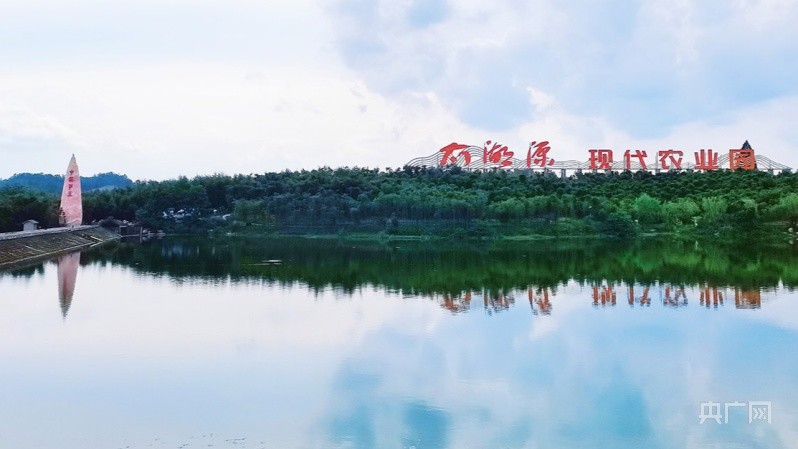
(440, 202)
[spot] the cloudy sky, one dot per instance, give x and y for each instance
(177, 87)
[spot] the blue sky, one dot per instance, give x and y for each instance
(161, 89)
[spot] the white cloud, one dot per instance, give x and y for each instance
(157, 90)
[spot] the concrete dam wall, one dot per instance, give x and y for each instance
(20, 248)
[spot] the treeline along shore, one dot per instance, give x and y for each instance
(439, 202)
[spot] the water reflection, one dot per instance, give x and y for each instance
(67, 277)
(671, 274)
(418, 267)
(201, 342)
(542, 299)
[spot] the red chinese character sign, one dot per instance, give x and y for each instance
(453, 152)
(706, 160)
(600, 159)
(497, 154)
(742, 159)
(490, 155)
(639, 155)
(539, 156)
(670, 159)
(71, 212)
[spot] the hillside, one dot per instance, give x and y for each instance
(53, 183)
(456, 203)
(450, 203)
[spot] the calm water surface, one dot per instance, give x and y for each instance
(231, 343)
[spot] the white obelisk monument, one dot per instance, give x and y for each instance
(71, 213)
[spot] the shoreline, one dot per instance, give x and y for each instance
(18, 249)
(763, 237)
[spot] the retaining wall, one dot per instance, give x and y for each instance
(20, 248)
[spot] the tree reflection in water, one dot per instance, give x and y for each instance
(466, 277)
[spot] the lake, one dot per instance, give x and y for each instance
(313, 343)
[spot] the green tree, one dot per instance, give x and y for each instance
(787, 210)
(647, 210)
(713, 210)
(250, 211)
(680, 212)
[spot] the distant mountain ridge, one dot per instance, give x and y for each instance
(54, 183)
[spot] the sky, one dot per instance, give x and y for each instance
(157, 90)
